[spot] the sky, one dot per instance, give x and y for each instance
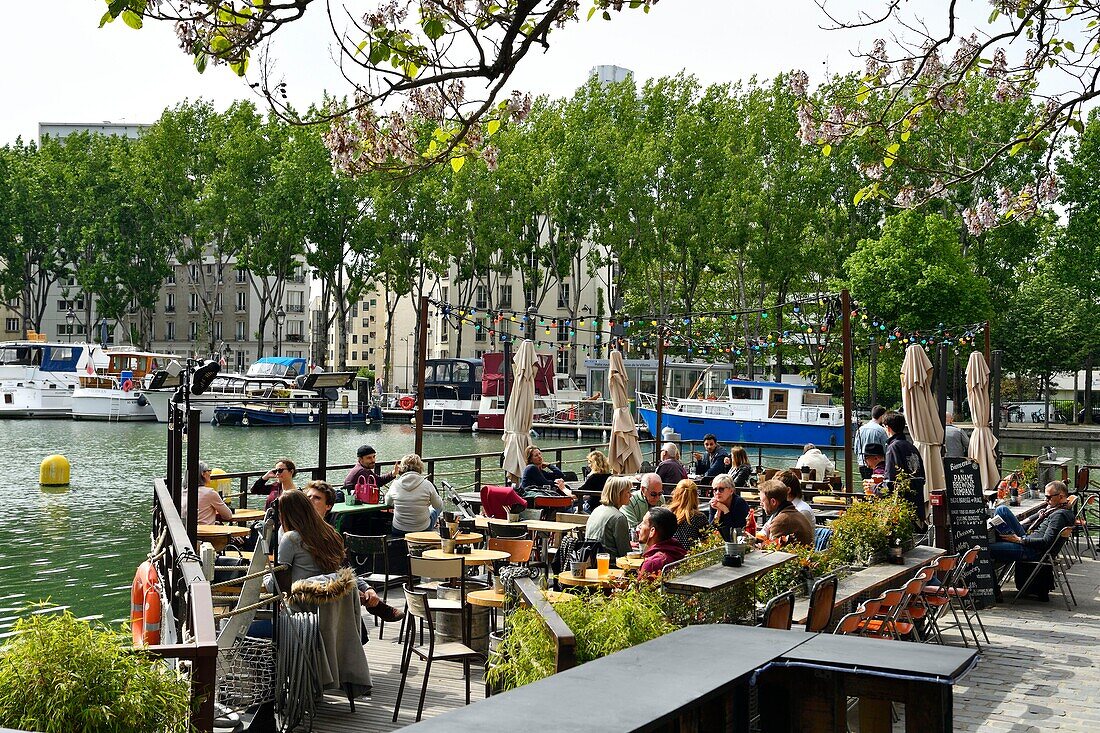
(83, 73)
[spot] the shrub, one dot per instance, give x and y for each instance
(59, 673)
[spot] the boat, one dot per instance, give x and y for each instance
(265, 373)
(113, 393)
(296, 407)
(751, 412)
(452, 396)
(557, 398)
(37, 378)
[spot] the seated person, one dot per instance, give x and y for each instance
(874, 460)
(1020, 541)
(813, 459)
(670, 469)
(276, 481)
(740, 470)
(540, 478)
(655, 534)
(691, 524)
(645, 498)
(728, 510)
(211, 505)
(608, 525)
(322, 496)
(598, 471)
(793, 481)
(365, 471)
(784, 521)
(713, 462)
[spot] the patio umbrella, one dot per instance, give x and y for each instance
(983, 443)
(521, 408)
(922, 416)
(623, 450)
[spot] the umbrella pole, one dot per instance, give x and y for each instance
(846, 320)
(995, 394)
(660, 398)
(421, 357)
(941, 392)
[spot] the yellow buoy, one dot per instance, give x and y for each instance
(220, 485)
(54, 471)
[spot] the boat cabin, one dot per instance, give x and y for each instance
(284, 367)
(452, 379)
(126, 366)
(45, 356)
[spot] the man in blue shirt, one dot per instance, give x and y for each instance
(714, 462)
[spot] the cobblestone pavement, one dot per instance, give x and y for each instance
(1040, 670)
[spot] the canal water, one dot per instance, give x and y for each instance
(77, 547)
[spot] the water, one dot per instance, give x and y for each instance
(78, 546)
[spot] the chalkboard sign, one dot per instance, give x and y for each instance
(967, 519)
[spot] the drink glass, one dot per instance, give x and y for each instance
(603, 563)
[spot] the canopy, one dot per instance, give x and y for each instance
(623, 450)
(521, 408)
(983, 443)
(922, 417)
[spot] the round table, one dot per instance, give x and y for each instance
(629, 563)
(591, 579)
(218, 534)
(491, 599)
(433, 538)
(541, 525)
(476, 557)
(247, 515)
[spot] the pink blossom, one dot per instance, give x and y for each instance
(798, 81)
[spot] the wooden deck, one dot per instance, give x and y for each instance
(446, 691)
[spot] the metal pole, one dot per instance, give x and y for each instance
(941, 389)
(988, 352)
(846, 345)
(660, 397)
(995, 391)
(873, 376)
(193, 477)
(422, 356)
(321, 472)
(507, 341)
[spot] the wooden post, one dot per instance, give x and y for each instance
(421, 359)
(872, 377)
(507, 366)
(321, 472)
(988, 351)
(660, 396)
(995, 395)
(846, 345)
(941, 392)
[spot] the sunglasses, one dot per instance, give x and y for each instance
(278, 470)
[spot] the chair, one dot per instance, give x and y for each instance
(1052, 559)
(1081, 526)
(570, 476)
(507, 531)
(959, 592)
(553, 502)
(938, 598)
(886, 623)
(519, 551)
(361, 552)
(823, 536)
(822, 600)
(440, 570)
(779, 613)
(417, 604)
(495, 500)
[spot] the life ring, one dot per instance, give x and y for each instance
(127, 385)
(244, 420)
(145, 614)
(406, 403)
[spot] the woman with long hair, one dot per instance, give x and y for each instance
(540, 478)
(690, 522)
(310, 546)
(598, 472)
(740, 470)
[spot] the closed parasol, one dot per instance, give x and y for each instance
(922, 417)
(521, 408)
(623, 450)
(983, 443)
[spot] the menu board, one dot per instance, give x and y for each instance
(967, 519)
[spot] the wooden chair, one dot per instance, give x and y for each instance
(822, 600)
(417, 607)
(362, 552)
(507, 531)
(440, 570)
(519, 551)
(779, 613)
(960, 594)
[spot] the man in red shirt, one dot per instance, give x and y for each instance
(655, 532)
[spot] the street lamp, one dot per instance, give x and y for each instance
(531, 322)
(408, 359)
(70, 318)
(280, 317)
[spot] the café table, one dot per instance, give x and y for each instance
(719, 577)
(629, 563)
(218, 534)
(591, 579)
(475, 556)
(433, 538)
(495, 599)
(247, 515)
(343, 510)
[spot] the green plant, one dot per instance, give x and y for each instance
(59, 673)
(867, 527)
(1029, 471)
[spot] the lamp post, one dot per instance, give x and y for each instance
(531, 322)
(280, 317)
(408, 359)
(70, 318)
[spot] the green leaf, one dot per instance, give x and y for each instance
(905, 135)
(893, 148)
(1069, 45)
(591, 12)
(411, 69)
(457, 163)
(132, 19)
(826, 149)
(862, 94)
(200, 62)
(434, 29)
(1016, 148)
(239, 67)
(888, 161)
(219, 44)
(606, 15)
(107, 18)
(361, 46)
(860, 195)
(492, 127)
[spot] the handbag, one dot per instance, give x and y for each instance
(366, 489)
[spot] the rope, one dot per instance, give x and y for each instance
(158, 550)
(250, 576)
(264, 600)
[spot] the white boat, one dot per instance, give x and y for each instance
(37, 378)
(263, 375)
(111, 394)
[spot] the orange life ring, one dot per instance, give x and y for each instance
(406, 402)
(127, 385)
(145, 605)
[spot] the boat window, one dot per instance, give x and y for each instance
(460, 372)
(479, 372)
(824, 416)
(746, 393)
(693, 409)
(647, 381)
(718, 410)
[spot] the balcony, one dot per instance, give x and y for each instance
(295, 308)
(294, 337)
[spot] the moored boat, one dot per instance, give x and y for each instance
(287, 407)
(112, 394)
(37, 378)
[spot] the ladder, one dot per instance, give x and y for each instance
(116, 410)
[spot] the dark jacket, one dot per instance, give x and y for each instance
(357, 470)
(671, 471)
(534, 478)
(594, 482)
(790, 521)
(740, 475)
(710, 466)
(734, 518)
(901, 455)
(1042, 535)
(656, 557)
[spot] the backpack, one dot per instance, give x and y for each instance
(366, 489)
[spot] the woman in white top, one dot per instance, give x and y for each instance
(413, 497)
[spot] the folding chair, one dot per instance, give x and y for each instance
(1074, 506)
(822, 599)
(779, 613)
(938, 598)
(886, 623)
(1052, 559)
(1081, 523)
(852, 624)
(959, 592)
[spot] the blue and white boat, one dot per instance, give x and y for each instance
(38, 378)
(751, 412)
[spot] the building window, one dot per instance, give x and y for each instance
(11, 325)
(241, 357)
(192, 330)
(563, 331)
(242, 302)
(505, 300)
(295, 302)
(193, 303)
(354, 355)
(481, 297)
(373, 302)
(354, 310)
(479, 335)
(171, 278)
(170, 303)
(563, 362)
(242, 276)
(479, 353)
(217, 330)
(241, 333)
(217, 302)
(355, 338)
(563, 295)
(77, 304)
(170, 331)
(298, 275)
(366, 323)
(528, 295)
(192, 273)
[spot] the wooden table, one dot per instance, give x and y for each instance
(476, 557)
(873, 580)
(491, 599)
(218, 534)
(540, 525)
(343, 509)
(629, 563)
(247, 515)
(591, 579)
(718, 577)
(433, 538)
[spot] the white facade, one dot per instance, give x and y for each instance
(610, 74)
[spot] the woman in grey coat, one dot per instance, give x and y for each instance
(413, 498)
